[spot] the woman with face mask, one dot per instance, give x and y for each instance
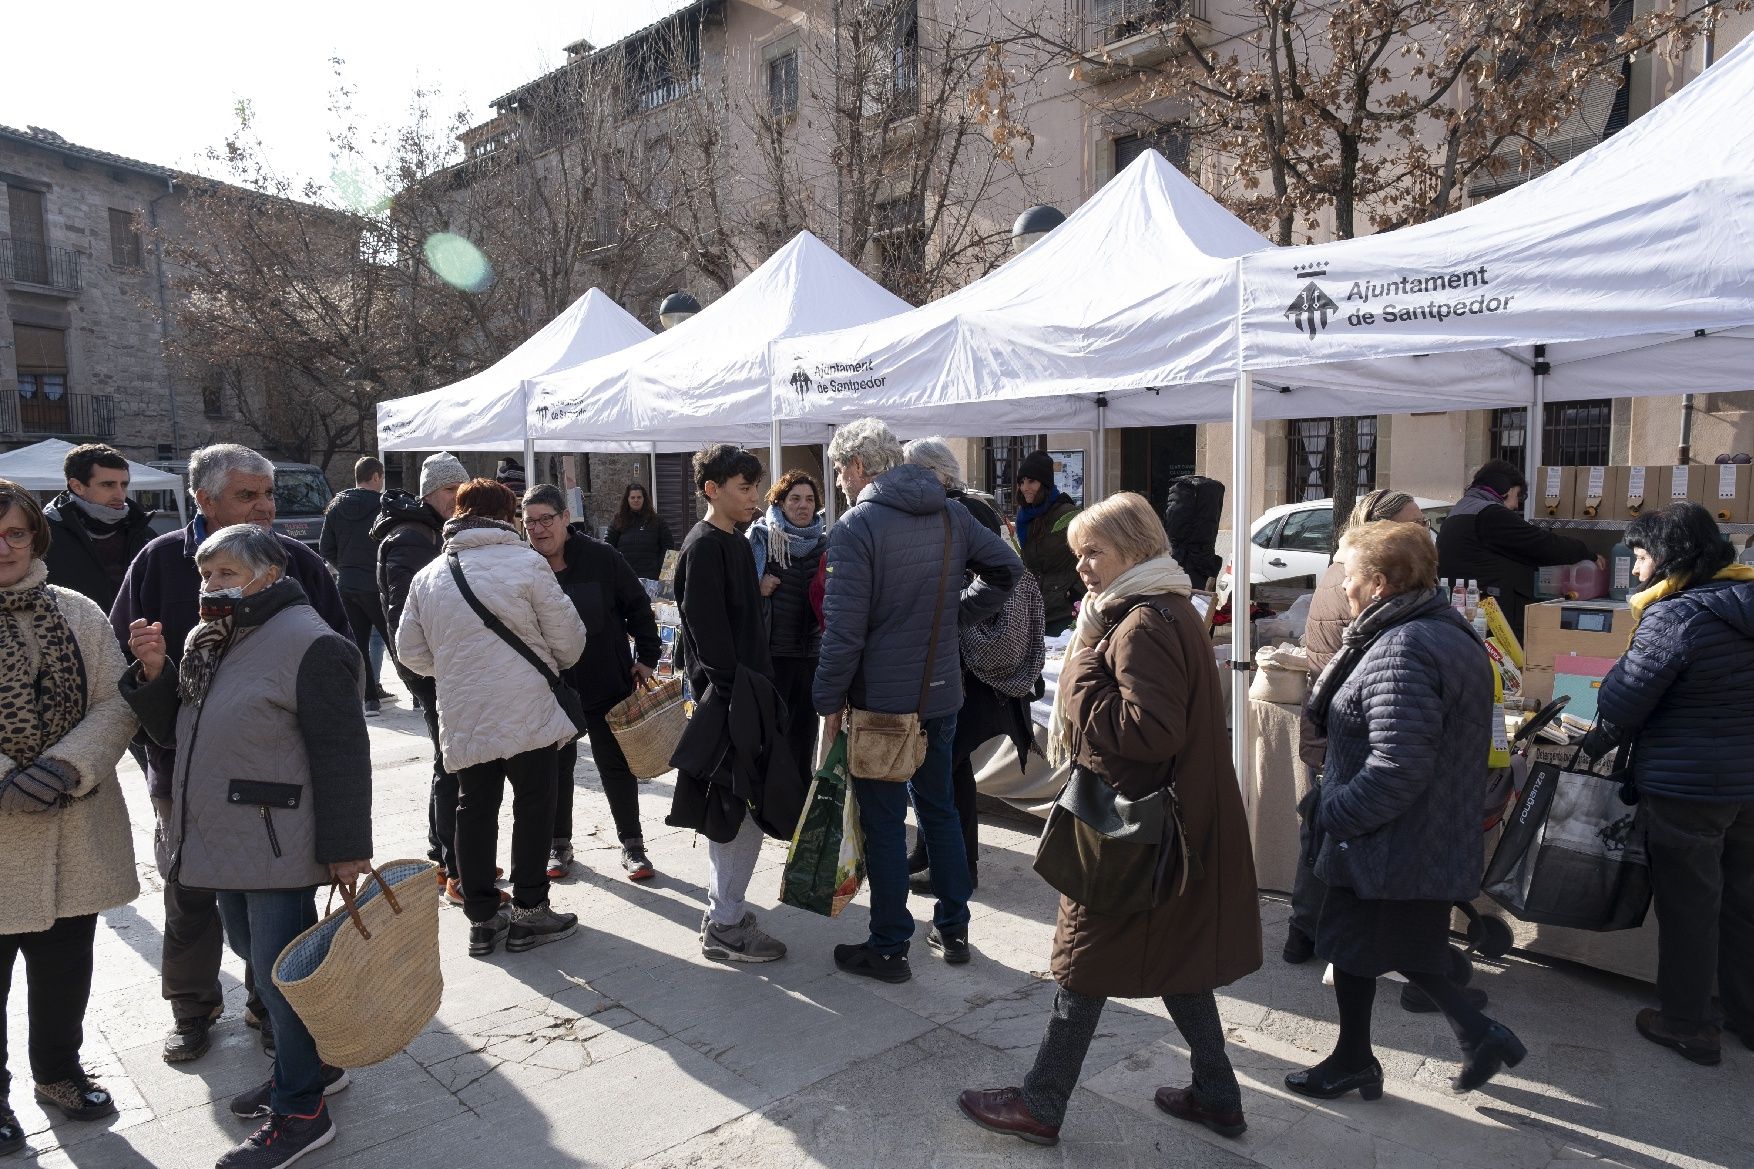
(271, 795)
(1683, 695)
(65, 850)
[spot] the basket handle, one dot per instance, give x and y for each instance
(349, 898)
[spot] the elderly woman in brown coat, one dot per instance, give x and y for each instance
(1140, 705)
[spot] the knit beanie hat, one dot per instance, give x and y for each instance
(440, 471)
(1039, 465)
(510, 474)
(1500, 476)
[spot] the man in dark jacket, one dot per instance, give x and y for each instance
(95, 530)
(614, 607)
(348, 547)
(1484, 539)
(1683, 695)
(896, 593)
(408, 533)
(232, 485)
(1044, 515)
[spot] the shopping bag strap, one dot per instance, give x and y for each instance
(496, 626)
(350, 899)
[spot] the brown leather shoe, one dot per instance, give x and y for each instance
(1182, 1104)
(1702, 1046)
(1002, 1110)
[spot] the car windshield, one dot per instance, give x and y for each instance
(300, 492)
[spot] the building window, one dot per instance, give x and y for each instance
(213, 399)
(1002, 456)
(1116, 20)
(1574, 434)
(905, 58)
(1309, 464)
(30, 235)
(42, 378)
(900, 235)
(1153, 457)
(124, 240)
(782, 85)
(1172, 145)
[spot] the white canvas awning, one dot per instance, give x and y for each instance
(38, 468)
(1632, 265)
(486, 411)
(709, 378)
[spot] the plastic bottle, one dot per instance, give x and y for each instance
(1473, 599)
(1588, 581)
(1443, 588)
(1620, 584)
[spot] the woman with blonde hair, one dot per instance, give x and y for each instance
(1140, 706)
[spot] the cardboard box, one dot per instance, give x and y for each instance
(1592, 491)
(1555, 492)
(1727, 492)
(1640, 492)
(1599, 630)
(1683, 484)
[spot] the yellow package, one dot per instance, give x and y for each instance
(1513, 677)
(1499, 628)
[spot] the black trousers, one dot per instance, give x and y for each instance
(441, 808)
(57, 970)
(480, 788)
(1702, 876)
(194, 944)
(795, 679)
(618, 783)
(365, 612)
(1307, 889)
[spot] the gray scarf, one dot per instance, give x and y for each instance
(1371, 624)
(98, 512)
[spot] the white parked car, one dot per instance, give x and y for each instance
(1292, 541)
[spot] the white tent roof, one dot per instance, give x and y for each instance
(485, 411)
(38, 468)
(1137, 288)
(1633, 264)
(709, 377)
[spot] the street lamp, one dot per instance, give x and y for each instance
(1033, 224)
(676, 308)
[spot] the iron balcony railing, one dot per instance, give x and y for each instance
(1116, 20)
(27, 261)
(67, 415)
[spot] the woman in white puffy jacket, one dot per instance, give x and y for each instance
(498, 719)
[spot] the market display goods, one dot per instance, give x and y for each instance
(1501, 632)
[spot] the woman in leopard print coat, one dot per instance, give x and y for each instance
(66, 853)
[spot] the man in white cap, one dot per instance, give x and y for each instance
(408, 531)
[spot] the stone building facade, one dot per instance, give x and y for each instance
(82, 299)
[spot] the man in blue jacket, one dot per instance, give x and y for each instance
(895, 593)
(232, 485)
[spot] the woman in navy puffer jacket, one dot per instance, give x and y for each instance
(1683, 696)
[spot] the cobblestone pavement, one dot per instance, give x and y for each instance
(622, 1046)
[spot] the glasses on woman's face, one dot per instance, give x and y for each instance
(541, 521)
(17, 537)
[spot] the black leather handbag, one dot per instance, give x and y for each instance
(1112, 855)
(565, 696)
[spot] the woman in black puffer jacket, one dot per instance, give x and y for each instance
(788, 542)
(639, 533)
(1406, 705)
(1684, 697)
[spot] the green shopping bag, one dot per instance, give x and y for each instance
(826, 863)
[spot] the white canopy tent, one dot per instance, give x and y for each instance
(486, 411)
(38, 468)
(709, 378)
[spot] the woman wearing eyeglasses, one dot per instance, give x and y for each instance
(614, 607)
(65, 850)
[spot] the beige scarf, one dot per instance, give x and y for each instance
(1149, 578)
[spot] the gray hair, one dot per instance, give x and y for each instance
(251, 545)
(211, 467)
(934, 454)
(548, 495)
(869, 441)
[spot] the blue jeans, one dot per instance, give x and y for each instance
(258, 924)
(883, 816)
(377, 660)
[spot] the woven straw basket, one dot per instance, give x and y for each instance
(648, 724)
(365, 980)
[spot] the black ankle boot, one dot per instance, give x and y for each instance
(1323, 1082)
(1497, 1049)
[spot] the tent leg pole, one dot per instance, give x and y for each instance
(1242, 453)
(652, 477)
(1101, 459)
(775, 454)
(1536, 428)
(828, 498)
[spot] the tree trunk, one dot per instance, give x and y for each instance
(1345, 444)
